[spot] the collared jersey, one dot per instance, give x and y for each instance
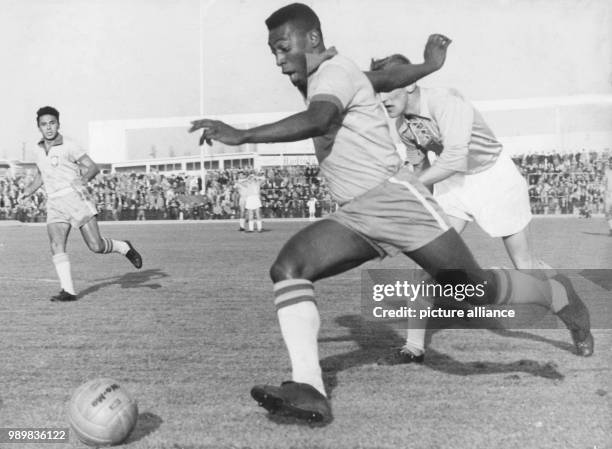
(58, 167)
(357, 153)
(449, 126)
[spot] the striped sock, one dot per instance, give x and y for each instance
(115, 246)
(299, 321)
(515, 287)
(62, 267)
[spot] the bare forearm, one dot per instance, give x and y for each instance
(295, 127)
(91, 172)
(400, 75)
(434, 174)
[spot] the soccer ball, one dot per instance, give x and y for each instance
(102, 413)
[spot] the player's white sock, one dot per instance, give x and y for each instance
(259, 225)
(415, 341)
(299, 321)
(115, 246)
(242, 223)
(62, 267)
(251, 225)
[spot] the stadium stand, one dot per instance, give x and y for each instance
(559, 184)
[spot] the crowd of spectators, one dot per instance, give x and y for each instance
(572, 183)
(285, 192)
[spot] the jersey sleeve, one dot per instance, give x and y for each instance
(455, 118)
(333, 84)
(75, 151)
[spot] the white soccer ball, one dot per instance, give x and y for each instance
(102, 413)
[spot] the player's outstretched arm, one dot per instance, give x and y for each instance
(32, 187)
(91, 168)
(313, 122)
(402, 75)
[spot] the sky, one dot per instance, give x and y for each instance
(128, 59)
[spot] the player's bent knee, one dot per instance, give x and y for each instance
(283, 269)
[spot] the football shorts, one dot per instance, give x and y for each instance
(253, 202)
(74, 207)
(399, 215)
(496, 198)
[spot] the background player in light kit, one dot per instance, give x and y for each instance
(241, 187)
(64, 168)
(253, 202)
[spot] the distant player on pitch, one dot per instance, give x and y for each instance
(312, 208)
(253, 201)
(473, 179)
(384, 208)
(65, 169)
(241, 187)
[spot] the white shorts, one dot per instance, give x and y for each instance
(496, 199)
(253, 202)
(76, 208)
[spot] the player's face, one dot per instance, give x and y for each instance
(395, 101)
(48, 126)
(289, 46)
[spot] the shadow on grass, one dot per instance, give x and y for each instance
(607, 234)
(147, 424)
(284, 420)
(137, 279)
(527, 336)
(376, 339)
(599, 276)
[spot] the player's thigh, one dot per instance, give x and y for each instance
(91, 234)
(58, 236)
(446, 252)
(323, 249)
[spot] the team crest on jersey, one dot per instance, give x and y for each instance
(54, 161)
(423, 134)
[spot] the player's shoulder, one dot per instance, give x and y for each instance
(440, 98)
(438, 93)
(70, 143)
(338, 65)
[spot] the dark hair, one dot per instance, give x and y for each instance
(300, 15)
(47, 110)
(395, 59)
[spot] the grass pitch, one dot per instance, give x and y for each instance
(190, 333)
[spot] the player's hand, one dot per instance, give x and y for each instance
(217, 130)
(435, 50)
(21, 198)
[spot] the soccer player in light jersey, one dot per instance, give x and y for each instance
(383, 210)
(253, 201)
(241, 187)
(65, 168)
(473, 179)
